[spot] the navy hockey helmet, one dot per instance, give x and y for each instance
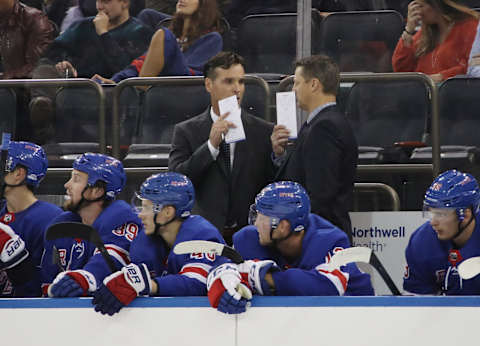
(168, 188)
(453, 190)
(104, 168)
(285, 200)
(32, 157)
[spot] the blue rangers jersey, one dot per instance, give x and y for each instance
(432, 263)
(30, 224)
(306, 275)
(179, 275)
(117, 226)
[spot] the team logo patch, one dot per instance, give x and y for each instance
(454, 257)
(78, 249)
(8, 218)
(436, 187)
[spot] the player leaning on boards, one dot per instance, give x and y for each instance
(293, 247)
(452, 235)
(164, 203)
(90, 199)
(23, 220)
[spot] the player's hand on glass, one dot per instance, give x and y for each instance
(219, 130)
(226, 291)
(75, 283)
(121, 288)
(101, 22)
(66, 69)
(12, 248)
(279, 139)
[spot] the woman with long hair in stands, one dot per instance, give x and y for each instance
(181, 49)
(441, 47)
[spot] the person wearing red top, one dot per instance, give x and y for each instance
(441, 47)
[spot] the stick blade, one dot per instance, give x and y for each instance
(469, 268)
(72, 230)
(205, 246)
(350, 255)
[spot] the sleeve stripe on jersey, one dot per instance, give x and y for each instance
(197, 271)
(118, 253)
(338, 278)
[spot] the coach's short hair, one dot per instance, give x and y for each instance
(224, 60)
(322, 67)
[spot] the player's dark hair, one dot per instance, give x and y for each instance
(224, 60)
(323, 68)
(103, 185)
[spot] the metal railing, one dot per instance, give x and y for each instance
(169, 81)
(434, 168)
(74, 82)
(380, 187)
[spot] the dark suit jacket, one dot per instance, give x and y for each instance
(252, 167)
(324, 159)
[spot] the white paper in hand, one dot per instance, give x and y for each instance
(287, 112)
(230, 105)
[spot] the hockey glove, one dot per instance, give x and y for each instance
(12, 248)
(226, 291)
(120, 288)
(74, 283)
(254, 273)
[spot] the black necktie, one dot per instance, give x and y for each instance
(225, 150)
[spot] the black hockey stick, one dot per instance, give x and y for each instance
(3, 159)
(469, 268)
(81, 231)
(366, 255)
(205, 246)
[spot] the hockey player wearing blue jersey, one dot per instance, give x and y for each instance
(452, 235)
(95, 181)
(164, 203)
(292, 247)
(23, 220)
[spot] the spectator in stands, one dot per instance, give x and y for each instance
(226, 176)
(182, 49)
(442, 45)
(23, 221)
(450, 236)
(103, 44)
(324, 156)
(25, 34)
(87, 8)
(474, 60)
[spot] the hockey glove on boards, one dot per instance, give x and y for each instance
(75, 283)
(120, 288)
(226, 292)
(254, 273)
(12, 248)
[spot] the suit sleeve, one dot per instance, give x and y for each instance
(322, 157)
(183, 159)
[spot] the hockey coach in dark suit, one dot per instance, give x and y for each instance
(324, 156)
(226, 176)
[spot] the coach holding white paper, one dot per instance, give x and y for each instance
(324, 156)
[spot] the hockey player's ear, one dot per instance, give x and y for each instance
(169, 211)
(20, 174)
(468, 216)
